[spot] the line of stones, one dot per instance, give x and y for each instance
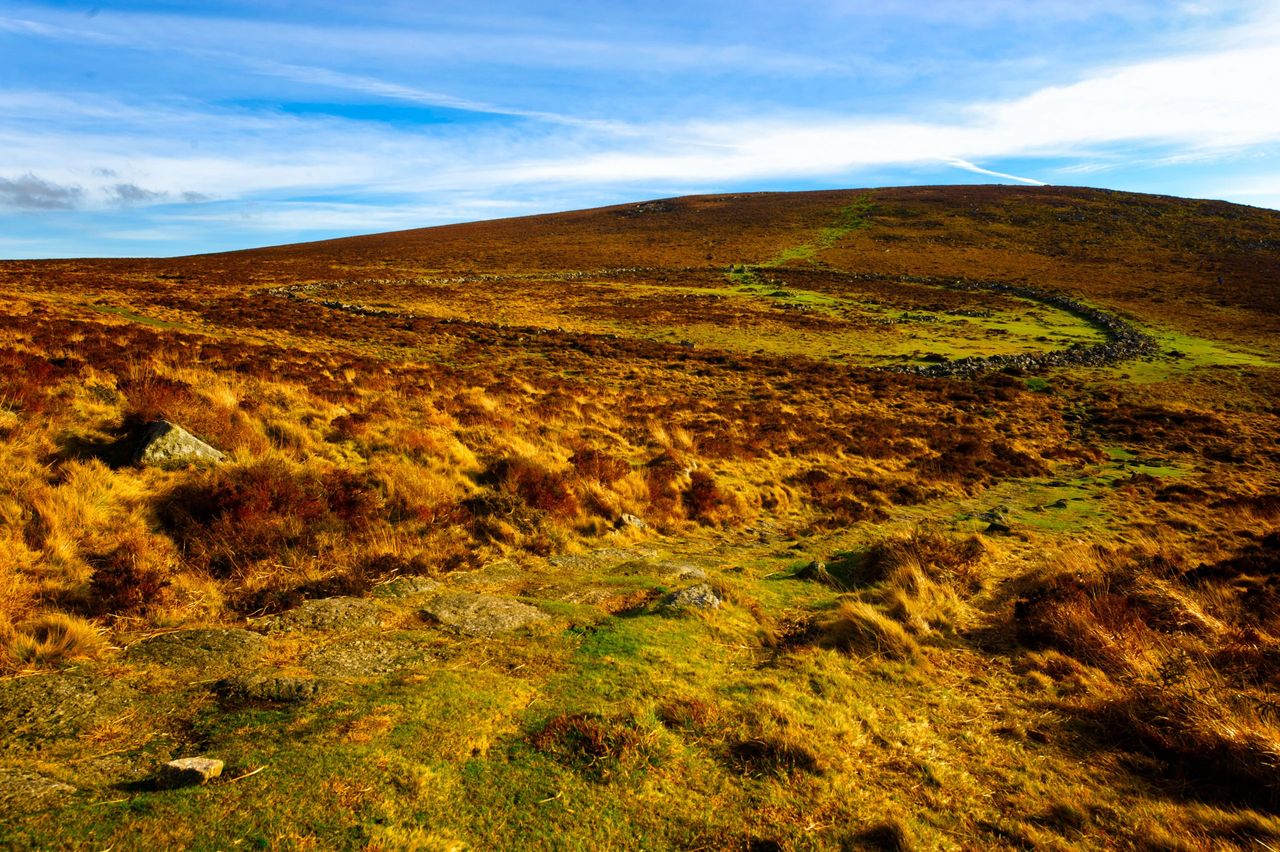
(1123, 342)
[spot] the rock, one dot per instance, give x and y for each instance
(668, 568)
(999, 528)
(330, 614)
(604, 559)
(54, 706)
(407, 587)
(364, 658)
(1060, 503)
(202, 647)
(168, 445)
(480, 614)
(701, 596)
(681, 570)
(269, 688)
(817, 572)
(189, 772)
(632, 521)
(23, 790)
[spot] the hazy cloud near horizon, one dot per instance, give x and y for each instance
(222, 125)
(28, 192)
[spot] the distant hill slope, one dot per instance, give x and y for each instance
(1202, 266)
(1196, 263)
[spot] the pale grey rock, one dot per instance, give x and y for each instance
(701, 596)
(168, 445)
(407, 587)
(189, 772)
(36, 709)
(365, 657)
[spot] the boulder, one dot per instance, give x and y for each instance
(635, 523)
(481, 615)
(700, 596)
(682, 571)
(328, 614)
(40, 708)
(189, 772)
(168, 445)
(268, 688)
(364, 657)
(407, 587)
(22, 790)
(203, 647)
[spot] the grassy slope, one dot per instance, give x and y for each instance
(905, 699)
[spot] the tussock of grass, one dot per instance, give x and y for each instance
(857, 627)
(52, 640)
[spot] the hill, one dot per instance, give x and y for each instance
(921, 517)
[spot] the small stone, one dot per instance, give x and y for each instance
(701, 596)
(996, 527)
(189, 772)
(168, 445)
(632, 521)
(817, 572)
(481, 615)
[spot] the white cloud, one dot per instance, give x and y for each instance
(1213, 102)
(967, 166)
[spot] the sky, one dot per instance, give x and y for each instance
(164, 128)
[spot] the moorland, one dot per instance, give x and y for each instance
(931, 517)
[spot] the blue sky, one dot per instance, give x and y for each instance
(162, 128)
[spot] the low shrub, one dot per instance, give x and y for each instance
(589, 742)
(233, 517)
(128, 579)
(703, 500)
(1087, 618)
(599, 465)
(540, 488)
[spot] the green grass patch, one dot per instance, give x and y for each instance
(125, 313)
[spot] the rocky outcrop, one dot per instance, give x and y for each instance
(167, 445)
(481, 615)
(23, 790)
(268, 688)
(205, 648)
(327, 614)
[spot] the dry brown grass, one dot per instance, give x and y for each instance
(1164, 642)
(51, 640)
(857, 627)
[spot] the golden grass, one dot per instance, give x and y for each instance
(51, 640)
(857, 627)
